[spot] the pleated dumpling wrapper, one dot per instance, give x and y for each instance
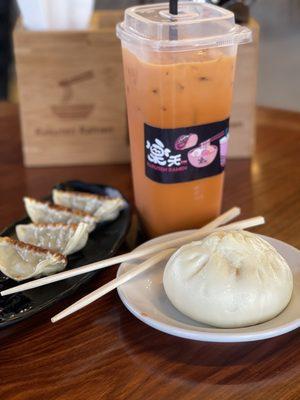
(20, 261)
(43, 212)
(63, 238)
(244, 281)
(102, 208)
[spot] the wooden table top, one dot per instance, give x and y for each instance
(103, 352)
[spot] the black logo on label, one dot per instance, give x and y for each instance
(185, 154)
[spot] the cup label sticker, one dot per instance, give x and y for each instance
(185, 154)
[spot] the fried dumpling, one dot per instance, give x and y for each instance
(103, 208)
(20, 261)
(63, 238)
(45, 213)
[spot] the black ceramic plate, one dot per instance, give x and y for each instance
(103, 242)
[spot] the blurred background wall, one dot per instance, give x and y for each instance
(279, 64)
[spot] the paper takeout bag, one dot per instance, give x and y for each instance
(71, 94)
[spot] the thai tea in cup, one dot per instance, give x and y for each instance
(179, 73)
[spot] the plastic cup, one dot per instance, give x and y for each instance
(179, 73)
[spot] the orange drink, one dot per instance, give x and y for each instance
(178, 100)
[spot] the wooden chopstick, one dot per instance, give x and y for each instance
(138, 269)
(135, 254)
(96, 294)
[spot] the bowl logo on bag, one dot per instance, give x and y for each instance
(70, 108)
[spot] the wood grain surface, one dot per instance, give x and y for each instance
(103, 352)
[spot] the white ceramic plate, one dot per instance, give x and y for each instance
(144, 296)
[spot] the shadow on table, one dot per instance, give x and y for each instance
(214, 363)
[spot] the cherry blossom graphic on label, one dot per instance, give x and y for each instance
(186, 141)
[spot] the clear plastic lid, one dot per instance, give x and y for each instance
(197, 24)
